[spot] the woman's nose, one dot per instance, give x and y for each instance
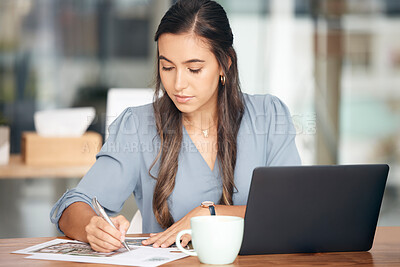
(180, 81)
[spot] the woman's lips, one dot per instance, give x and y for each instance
(182, 98)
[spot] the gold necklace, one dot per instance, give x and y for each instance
(204, 131)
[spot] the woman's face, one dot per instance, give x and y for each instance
(189, 72)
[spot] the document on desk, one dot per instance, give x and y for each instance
(76, 251)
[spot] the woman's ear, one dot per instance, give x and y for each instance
(229, 66)
(221, 73)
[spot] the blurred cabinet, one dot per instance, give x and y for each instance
(16, 169)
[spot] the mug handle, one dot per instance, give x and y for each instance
(178, 242)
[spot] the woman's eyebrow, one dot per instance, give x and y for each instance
(162, 57)
(185, 62)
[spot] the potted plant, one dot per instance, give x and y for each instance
(4, 141)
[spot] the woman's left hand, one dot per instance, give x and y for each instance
(167, 238)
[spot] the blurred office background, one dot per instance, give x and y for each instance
(336, 64)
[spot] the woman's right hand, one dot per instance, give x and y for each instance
(102, 237)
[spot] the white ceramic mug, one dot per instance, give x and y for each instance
(215, 239)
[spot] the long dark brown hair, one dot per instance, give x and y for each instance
(206, 19)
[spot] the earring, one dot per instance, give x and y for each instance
(222, 78)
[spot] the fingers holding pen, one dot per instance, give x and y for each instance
(100, 245)
(122, 225)
(102, 236)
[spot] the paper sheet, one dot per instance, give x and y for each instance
(71, 250)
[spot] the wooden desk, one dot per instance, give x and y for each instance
(16, 169)
(385, 252)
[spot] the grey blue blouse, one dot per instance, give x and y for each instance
(266, 138)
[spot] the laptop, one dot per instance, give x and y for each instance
(307, 209)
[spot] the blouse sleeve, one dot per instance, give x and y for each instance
(281, 145)
(114, 175)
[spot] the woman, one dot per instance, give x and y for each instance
(199, 141)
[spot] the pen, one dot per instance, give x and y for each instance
(100, 211)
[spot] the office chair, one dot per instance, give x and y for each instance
(117, 100)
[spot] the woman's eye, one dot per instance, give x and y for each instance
(167, 68)
(194, 70)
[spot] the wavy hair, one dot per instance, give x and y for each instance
(206, 19)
